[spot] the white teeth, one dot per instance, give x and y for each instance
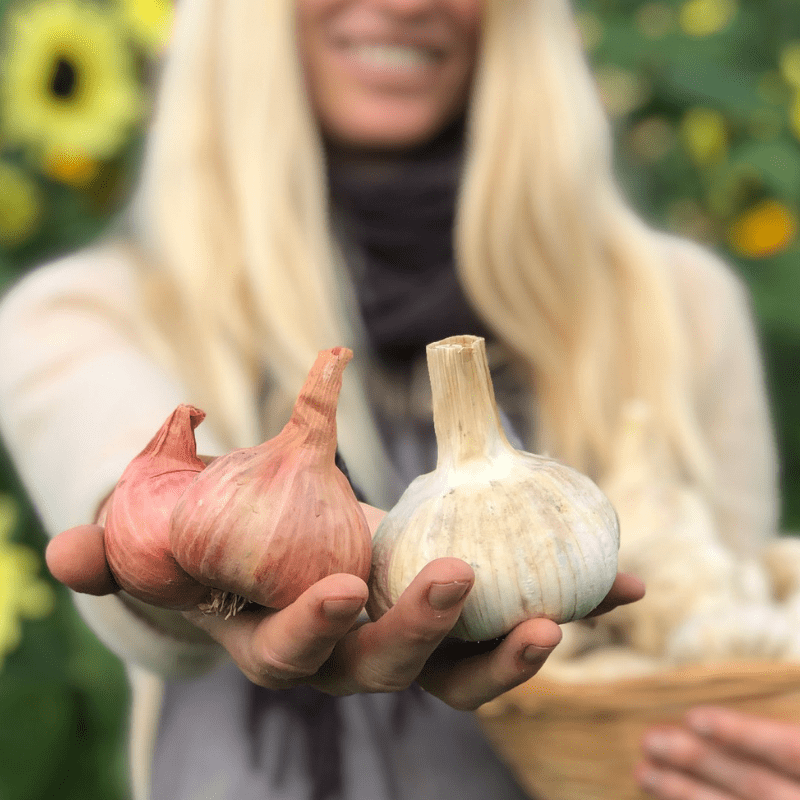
(393, 56)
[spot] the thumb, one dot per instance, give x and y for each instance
(77, 558)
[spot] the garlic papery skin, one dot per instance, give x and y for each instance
(704, 600)
(137, 515)
(265, 523)
(541, 537)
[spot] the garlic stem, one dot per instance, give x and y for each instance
(465, 416)
(314, 413)
(171, 442)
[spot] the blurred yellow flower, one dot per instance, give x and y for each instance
(149, 21)
(706, 17)
(72, 169)
(764, 230)
(20, 205)
(790, 64)
(704, 134)
(23, 595)
(69, 81)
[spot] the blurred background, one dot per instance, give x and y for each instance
(705, 97)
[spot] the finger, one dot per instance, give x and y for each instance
(77, 558)
(666, 784)
(278, 648)
(388, 654)
(774, 743)
(697, 759)
(626, 589)
(471, 682)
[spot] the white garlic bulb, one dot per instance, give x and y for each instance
(781, 557)
(743, 631)
(603, 664)
(704, 602)
(541, 537)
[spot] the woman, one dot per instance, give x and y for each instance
(310, 164)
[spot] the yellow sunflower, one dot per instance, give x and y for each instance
(149, 21)
(20, 206)
(790, 63)
(69, 85)
(705, 134)
(764, 230)
(23, 595)
(706, 17)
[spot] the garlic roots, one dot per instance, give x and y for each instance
(264, 523)
(541, 537)
(137, 517)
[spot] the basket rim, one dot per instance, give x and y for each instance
(696, 684)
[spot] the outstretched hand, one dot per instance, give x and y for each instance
(719, 754)
(321, 639)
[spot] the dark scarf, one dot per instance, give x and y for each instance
(321, 719)
(399, 212)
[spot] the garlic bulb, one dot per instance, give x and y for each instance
(541, 537)
(781, 558)
(603, 664)
(736, 631)
(703, 601)
(264, 523)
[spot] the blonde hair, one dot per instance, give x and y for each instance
(552, 255)
(233, 209)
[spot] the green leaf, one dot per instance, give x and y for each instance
(777, 162)
(734, 92)
(36, 736)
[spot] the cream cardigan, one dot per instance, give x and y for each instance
(81, 392)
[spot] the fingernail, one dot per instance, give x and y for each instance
(658, 744)
(533, 654)
(342, 608)
(442, 596)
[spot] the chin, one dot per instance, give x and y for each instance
(382, 131)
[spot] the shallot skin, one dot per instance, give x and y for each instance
(137, 518)
(292, 531)
(265, 523)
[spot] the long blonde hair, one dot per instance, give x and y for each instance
(233, 210)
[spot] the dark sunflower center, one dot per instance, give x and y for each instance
(64, 82)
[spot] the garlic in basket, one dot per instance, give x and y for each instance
(541, 537)
(705, 602)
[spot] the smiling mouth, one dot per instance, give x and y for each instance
(397, 57)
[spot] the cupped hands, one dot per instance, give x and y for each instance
(323, 639)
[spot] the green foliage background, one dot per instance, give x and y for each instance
(63, 697)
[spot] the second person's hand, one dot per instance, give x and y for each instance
(721, 754)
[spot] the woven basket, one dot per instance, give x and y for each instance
(582, 741)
